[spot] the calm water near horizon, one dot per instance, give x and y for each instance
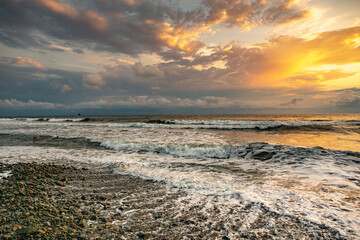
(304, 165)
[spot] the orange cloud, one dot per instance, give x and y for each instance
(61, 8)
(21, 61)
(177, 37)
(97, 22)
(129, 2)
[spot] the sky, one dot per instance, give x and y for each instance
(179, 56)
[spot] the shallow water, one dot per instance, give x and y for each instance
(305, 166)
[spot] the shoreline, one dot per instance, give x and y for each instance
(87, 202)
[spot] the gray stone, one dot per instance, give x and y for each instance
(263, 155)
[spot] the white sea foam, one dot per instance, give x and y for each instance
(187, 150)
(66, 119)
(5, 174)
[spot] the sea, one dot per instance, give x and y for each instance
(305, 166)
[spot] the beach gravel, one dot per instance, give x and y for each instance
(48, 201)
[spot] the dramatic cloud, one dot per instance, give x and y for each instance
(282, 62)
(93, 81)
(133, 27)
(149, 54)
(248, 14)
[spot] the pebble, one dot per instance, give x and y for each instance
(140, 235)
(83, 223)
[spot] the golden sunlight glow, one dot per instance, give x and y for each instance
(124, 62)
(228, 48)
(247, 26)
(176, 37)
(355, 40)
(347, 82)
(329, 60)
(281, 65)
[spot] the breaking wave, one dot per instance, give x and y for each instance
(208, 125)
(257, 150)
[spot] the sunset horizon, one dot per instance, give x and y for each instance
(99, 57)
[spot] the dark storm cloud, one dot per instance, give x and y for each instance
(127, 26)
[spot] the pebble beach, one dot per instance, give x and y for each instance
(48, 201)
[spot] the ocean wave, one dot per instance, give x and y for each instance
(259, 124)
(188, 151)
(256, 126)
(258, 150)
(45, 119)
(204, 124)
(246, 125)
